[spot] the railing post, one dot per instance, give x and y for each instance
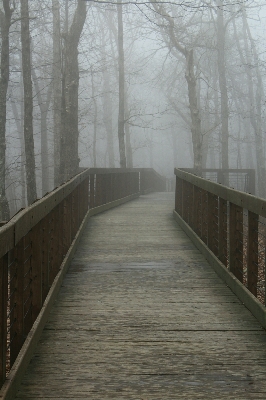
(197, 210)
(91, 195)
(213, 223)
(17, 302)
(190, 204)
(184, 203)
(3, 315)
(98, 194)
(223, 247)
(236, 241)
(36, 264)
(52, 248)
(178, 196)
(204, 216)
(252, 264)
(45, 237)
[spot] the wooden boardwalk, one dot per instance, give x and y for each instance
(141, 315)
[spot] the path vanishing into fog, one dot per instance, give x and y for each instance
(142, 315)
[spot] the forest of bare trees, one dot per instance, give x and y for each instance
(128, 84)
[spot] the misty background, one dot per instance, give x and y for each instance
(128, 84)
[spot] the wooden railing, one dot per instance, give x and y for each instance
(239, 179)
(34, 243)
(151, 181)
(231, 223)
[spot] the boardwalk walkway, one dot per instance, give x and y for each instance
(141, 315)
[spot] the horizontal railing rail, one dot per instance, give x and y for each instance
(239, 179)
(231, 223)
(34, 243)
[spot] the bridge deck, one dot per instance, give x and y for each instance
(141, 315)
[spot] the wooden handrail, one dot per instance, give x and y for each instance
(223, 175)
(231, 223)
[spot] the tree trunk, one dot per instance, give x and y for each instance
(107, 106)
(257, 117)
(5, 20)
(28, 103)
(95, 117)
(69, 159)
(254, 105)
(191, 82)
(223, 84)
(107, 118)
(57, 88)
(19, 125)
(44, 108)
(194, 111)
(129, 152)
(121, 79)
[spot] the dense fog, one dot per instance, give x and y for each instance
(128, 84)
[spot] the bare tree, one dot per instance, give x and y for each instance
(57, 87)
(121, 82)
(69, 158)
(169, 31)
(28, 103)
(5, 21)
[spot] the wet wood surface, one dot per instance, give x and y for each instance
(141, 315)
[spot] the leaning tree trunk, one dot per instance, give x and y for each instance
(69, 159)
(121, 70)
(5, 19)
(28, 103)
